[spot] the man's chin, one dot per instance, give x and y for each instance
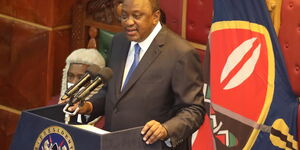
(133, 38)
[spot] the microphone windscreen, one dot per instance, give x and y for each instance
(106, 73)
(93, 69)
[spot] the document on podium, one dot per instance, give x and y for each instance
(91, 128)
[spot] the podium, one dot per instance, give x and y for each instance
(44, 128)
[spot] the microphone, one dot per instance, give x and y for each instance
(101, 78)
(90, 73)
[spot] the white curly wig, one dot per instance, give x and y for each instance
(81, 56)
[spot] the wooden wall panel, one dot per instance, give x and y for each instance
(24, 64)
(30, 10)
(7, 7)
(50, 13)
(8, 124)
(61, 46)
(34, 42)
(62, 11)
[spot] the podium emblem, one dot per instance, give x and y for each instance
(54, 138)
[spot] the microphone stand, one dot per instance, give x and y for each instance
(69, 114)
(80, 97)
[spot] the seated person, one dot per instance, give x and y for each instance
(76, 66)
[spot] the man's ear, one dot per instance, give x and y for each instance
(156, 16)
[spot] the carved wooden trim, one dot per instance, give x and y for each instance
(78, 29)
(90, 14)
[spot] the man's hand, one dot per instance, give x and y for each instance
(63, 100)
(154, 131)
(86, 108)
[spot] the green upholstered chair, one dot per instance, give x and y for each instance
(104, 41)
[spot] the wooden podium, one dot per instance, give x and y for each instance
(43, 128)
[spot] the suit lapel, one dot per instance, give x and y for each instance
(149, 57)
(121, 67)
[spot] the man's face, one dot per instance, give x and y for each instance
(75, 72)
(138, 19)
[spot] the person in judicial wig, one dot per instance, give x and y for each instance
(157, 81)
(77, 64)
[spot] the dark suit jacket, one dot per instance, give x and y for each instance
(166, 86)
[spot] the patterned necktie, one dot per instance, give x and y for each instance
(135, 63)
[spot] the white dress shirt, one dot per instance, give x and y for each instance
(144, 47)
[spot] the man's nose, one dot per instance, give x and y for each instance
(74, 80)
(129, 21)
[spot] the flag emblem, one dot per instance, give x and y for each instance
(242, 62)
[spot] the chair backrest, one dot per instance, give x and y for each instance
(104, 41)
(289, 37)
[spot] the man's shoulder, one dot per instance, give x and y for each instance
(176, 41)
(120, 36)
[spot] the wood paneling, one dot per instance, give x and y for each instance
(62, 12)
(61, 48)
(34, 42)
(30, 10)
(8, 124)
(24, 63)
(49, 13)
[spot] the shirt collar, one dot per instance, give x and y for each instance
(147, 42)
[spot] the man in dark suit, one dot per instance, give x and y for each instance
(157, 80)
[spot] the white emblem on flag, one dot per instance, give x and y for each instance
(234, 58)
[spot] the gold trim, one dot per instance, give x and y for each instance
(12, 110)
(198, 46)
(274, 7)
(63, 27)
(34, 24)
(183, 21)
